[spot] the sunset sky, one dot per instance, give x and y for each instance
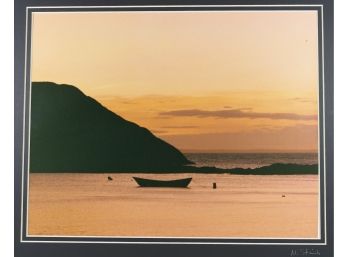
(203, 81)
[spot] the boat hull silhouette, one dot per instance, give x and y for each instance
(162, 183)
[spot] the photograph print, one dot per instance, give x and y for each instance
(174, 124)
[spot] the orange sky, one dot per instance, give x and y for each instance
(241, 81)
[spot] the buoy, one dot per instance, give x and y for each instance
(214, 185)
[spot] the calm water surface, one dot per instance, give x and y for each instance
(241, 206)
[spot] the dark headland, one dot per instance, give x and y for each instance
(72, 132)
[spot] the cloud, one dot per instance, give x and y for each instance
(158, 131)
(127, 102)
(301, 100)
(179, 127)
(238, 113)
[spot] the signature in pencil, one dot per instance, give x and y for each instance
(304, 252)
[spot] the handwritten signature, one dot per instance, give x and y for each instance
(304, 252)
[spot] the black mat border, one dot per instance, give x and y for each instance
(324, 244)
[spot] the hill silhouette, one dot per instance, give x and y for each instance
(71, 132)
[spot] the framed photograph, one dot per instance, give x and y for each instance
(173, 129)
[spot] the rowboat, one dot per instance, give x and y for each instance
(143, 182)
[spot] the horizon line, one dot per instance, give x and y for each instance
(248, 151)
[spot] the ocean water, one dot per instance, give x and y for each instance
(242, 206)
(249, 160)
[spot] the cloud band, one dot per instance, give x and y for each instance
(237, 113)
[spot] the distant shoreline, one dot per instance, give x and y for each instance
(273, 169)
(254, 151)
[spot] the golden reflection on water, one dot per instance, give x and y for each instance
(241, 206)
